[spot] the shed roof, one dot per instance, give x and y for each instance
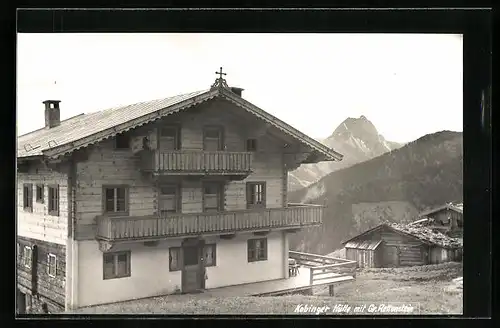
(86, 129)
(457, 207)
(364, 244)
(422, 233)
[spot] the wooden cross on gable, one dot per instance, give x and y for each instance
(220, 82)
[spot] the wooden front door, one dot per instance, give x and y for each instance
(391, 257)
(193, 271)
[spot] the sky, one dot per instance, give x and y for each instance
(408, 85)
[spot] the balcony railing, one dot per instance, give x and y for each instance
(153, 227)
(197, 162)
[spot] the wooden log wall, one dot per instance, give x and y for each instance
(41, 285)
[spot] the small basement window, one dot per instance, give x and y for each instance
(51, 265)
(122, 141)
(39, 193)
(116, 265)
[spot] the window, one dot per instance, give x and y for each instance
(54, 200)
(209, 255)
(51, 265)
(115, 199)
(256, 194)
(27, 256)
(170, 138)
(169, 201)
(212, 197)
(257, 250)
(39, 193)
(28, 197)
(212, 139)
(122, 141)
(174, 256)
(116, 265)
(251, 144)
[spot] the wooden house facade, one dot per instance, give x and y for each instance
(174, 195)
(395, 245)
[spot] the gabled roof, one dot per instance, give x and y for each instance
(86, 129)
(424, 234)
(457, 207)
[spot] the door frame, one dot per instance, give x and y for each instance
(200, 244)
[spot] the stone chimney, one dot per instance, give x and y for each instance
(237, 91)
(52, 113)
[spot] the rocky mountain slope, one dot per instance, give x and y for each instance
(356, 138)
(394, 187)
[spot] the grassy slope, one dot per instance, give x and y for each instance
(425, 173)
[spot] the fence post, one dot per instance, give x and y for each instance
(311, 276)
(331, 291)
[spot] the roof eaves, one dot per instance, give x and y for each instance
(332, 154)
(364, 233)
(110, 132)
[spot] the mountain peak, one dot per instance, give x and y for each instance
(356, 126)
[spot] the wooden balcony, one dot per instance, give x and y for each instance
(197, 162)
(110, 228)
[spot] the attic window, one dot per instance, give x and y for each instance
(122, 141)
(251, 144)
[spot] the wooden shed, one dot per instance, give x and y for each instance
(395, 245)
(448, 218)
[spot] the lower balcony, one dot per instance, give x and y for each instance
(144, 228)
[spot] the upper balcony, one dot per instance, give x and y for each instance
(156, 227)
(196, 162)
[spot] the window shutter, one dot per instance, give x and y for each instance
(57, 201)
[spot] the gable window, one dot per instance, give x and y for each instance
(209, 255)
(174, 257)
(212, 197)
(115, 199)
(51, 265)
(170, 138)
(39, 193)
(28, 252)
(256, 194)
(116, 265)
(257, 249)
(28, 197)
(54, 200)
(122, 141)
(212, 138)
(251, 144)
(169, 201)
